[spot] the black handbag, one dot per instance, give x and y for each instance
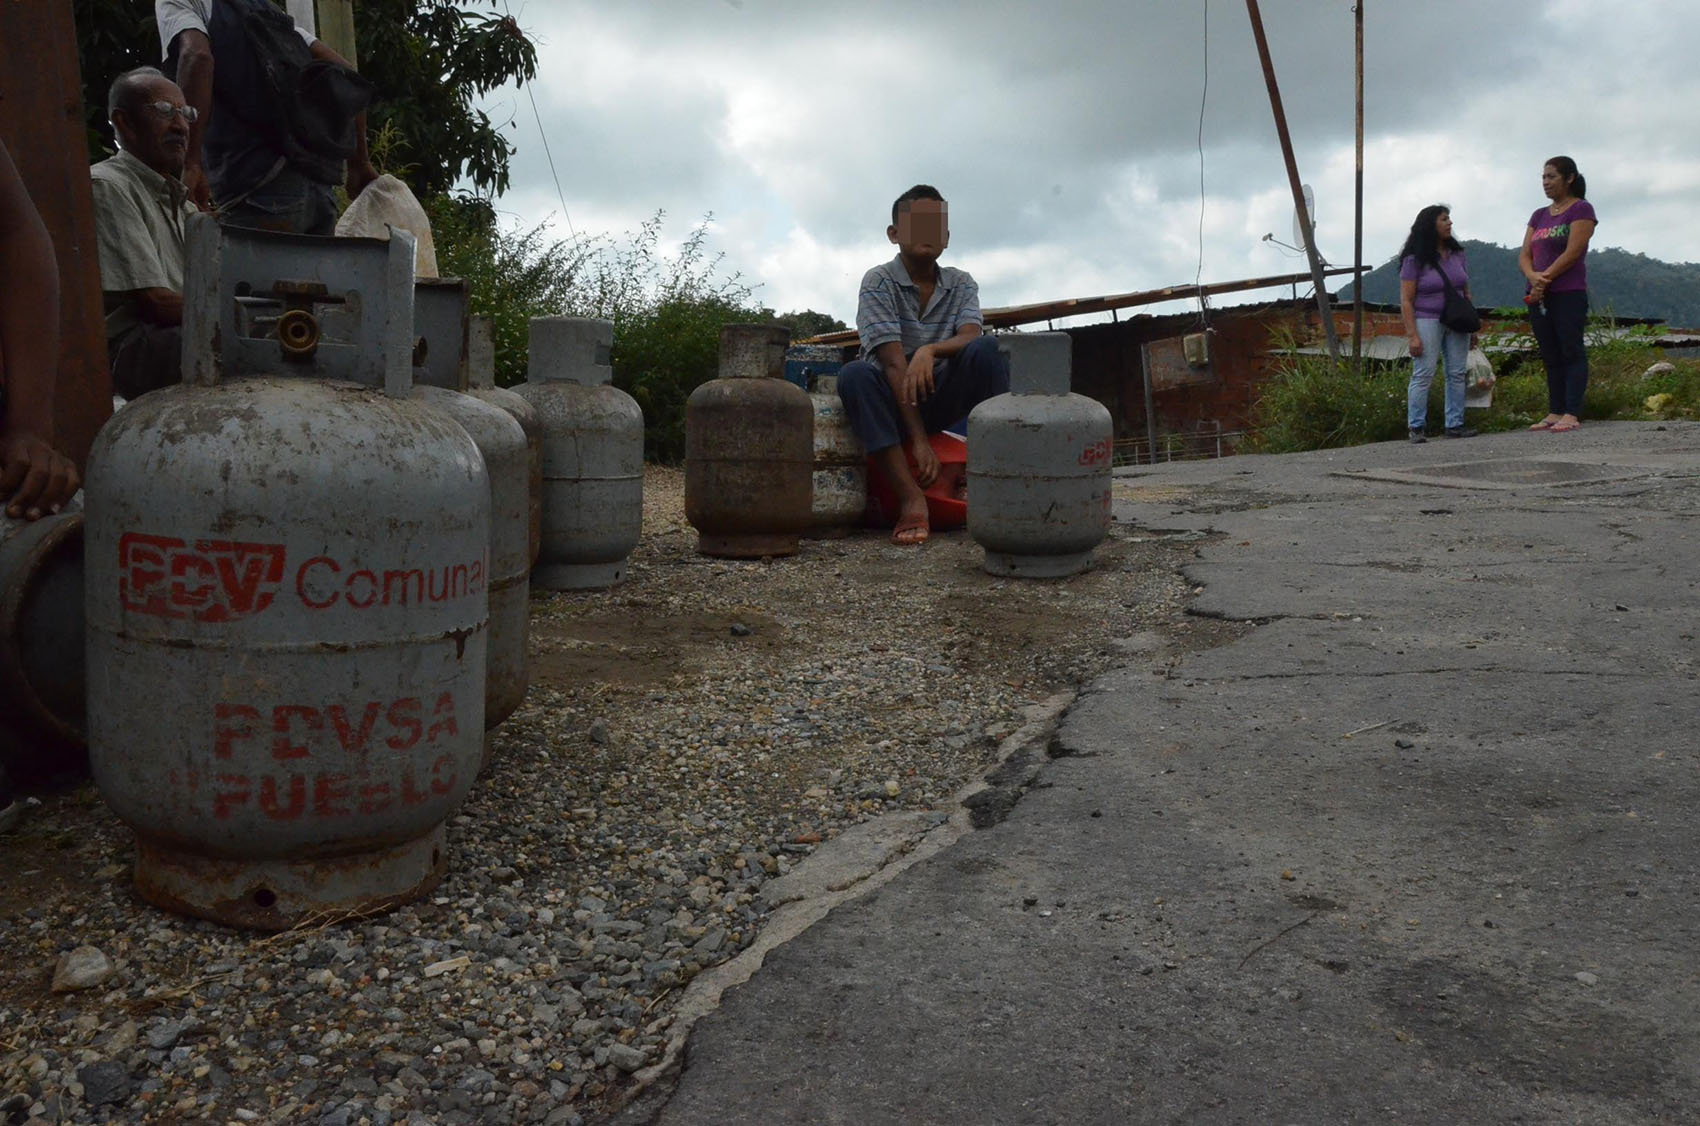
(1456, 313)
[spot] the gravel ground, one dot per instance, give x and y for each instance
(689, 735)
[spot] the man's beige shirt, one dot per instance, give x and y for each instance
(139, 218)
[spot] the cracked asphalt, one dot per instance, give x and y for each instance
(1420, 847)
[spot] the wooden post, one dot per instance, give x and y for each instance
(336, 28)
(41, 123)
(1358, 212)
(1299, 207)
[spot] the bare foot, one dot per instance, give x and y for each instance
(912, 526)
(1545, 423)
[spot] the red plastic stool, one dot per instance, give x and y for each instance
(945, 509)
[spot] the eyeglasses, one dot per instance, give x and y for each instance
(164, 111)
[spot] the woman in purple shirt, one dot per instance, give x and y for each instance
(1429, 250)
(1555, 248)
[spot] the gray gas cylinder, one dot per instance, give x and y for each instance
(592, 454)
(481, 385)
(749, 456)
(42, 679)
(287, 595)
(439, 327)
(1038, 465)
(840, 465)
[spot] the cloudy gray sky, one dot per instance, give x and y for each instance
(1065, 135)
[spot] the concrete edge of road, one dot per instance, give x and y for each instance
(860, 860)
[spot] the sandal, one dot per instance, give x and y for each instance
(1544, 424)
(911, 531)
(1563, 427)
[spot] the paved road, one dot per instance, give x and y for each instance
(1421, 847)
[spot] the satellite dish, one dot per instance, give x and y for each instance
(1298, 223)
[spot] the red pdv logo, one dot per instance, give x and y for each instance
(209, 581)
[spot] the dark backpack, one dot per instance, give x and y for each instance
(305, 106)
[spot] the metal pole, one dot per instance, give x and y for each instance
(1150, 405)
(1293, 177)
(1358, 211)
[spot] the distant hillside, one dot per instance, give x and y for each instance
(1628, 285)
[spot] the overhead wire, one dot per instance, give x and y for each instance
(542, 133)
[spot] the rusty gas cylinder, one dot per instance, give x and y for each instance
(840, 465)
(481, 385)
(592, 454)
(42, 679)
(749, 457)
(287, 598)
(1038, 465)
(440, 381)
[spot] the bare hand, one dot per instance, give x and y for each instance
(360, 174)
(35, 479)
(926, 461)
(1415, 343)
(200, 193)
(916, 382)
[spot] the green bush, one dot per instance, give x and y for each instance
(667, 309)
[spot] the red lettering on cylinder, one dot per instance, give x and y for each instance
(375, 797)
(371, 582)
(443, 718)
(297, 798)
(212, 581)
(282, 748)
(184, 595)
(411, 794)
(404, 717)
(329, 789)
(354, 741)
(301, 582)
(230, 723)
(438, 783)
(233, 790)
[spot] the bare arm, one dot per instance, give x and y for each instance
(195, 78)
(159, 306)
(360, 170)
(890, 358)
(1526, 256)
(1408, 310)
(34, 478)
(1580, 232)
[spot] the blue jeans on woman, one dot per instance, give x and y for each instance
(1439, 342)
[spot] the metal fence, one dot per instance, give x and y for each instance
(1198, 445)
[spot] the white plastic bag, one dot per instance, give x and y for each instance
(386, 202)
(1478, 380)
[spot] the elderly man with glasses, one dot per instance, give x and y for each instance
(140, 207)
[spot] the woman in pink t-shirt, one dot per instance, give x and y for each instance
(1554, 259)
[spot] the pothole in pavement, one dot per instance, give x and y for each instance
(1508, 473)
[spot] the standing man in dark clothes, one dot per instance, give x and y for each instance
(242, 152)
(924, 363)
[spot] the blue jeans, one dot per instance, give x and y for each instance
(960, 383)
(1439, 342)
(288, 202)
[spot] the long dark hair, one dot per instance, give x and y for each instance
(1423, 243)
(1566, 167)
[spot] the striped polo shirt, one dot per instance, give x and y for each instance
(889, 308)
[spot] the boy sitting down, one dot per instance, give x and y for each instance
(924, 363)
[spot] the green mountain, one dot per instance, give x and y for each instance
(1624, 284)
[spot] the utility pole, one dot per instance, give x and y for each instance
(336, 28)
(1323, 311)
(1358, 211)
